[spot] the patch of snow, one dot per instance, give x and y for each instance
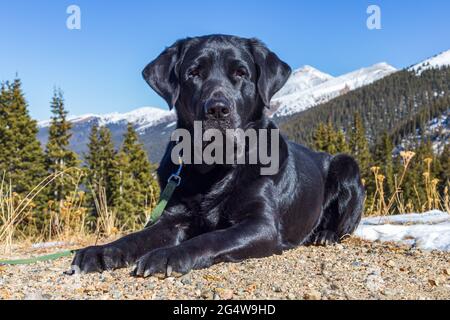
(171, 124)
(308, 88)
(428, 231)
(440, 60)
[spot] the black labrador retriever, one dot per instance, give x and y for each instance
(231, 213)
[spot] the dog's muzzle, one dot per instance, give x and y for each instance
(217, 109)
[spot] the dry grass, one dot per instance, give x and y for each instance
(106, 217)
(396, 203)
(15, 209)
(67, 217)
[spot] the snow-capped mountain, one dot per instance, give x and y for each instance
(440, 60)
(309, 87)
(303, 79)
(141, 118)
(152, 124)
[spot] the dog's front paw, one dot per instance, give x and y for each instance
(324, 238)
(99, 258)
(164, 262)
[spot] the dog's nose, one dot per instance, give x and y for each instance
(217, 109)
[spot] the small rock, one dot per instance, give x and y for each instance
(374, 282)
(356, 264)
(207, 294)
(434, 282)
(225, 294)
(324, 266)
(388, 292)
(240, 292)
(277, 289)
(312, 295)
(151, 285)
(34, 296)
(325, 293)
(199, 285)
(291, 296)
(186, 280)
(447, 271)
(391, 263)
(169, 280)
(334, 286)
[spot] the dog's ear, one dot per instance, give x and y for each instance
(272, 72)
(162, 73)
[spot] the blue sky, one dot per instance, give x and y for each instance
(99, 67)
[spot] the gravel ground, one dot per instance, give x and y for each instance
(355, 269)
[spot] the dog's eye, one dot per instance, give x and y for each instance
(241, 72)
(194, 73)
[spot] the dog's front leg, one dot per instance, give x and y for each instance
(253, 237)
(168, 231)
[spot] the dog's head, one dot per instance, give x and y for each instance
(224, 81)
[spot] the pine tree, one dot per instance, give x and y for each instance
(124, 190)
(326, 139)
(330, 139)
(59, 158)
(383, 159)
(21, 156)
(92, 156)
(106, 161)
(134, 189)
(100, 164)
(359, 146)
(91, 170)
(341, 142)
(5, 140)
(320, 138)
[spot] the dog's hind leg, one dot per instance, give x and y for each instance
(344, 202)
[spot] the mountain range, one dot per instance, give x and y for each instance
(307, 88)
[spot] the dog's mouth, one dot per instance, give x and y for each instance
(211, 127)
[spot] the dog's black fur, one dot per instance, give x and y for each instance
(231, 213)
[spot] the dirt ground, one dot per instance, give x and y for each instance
(355, 269)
